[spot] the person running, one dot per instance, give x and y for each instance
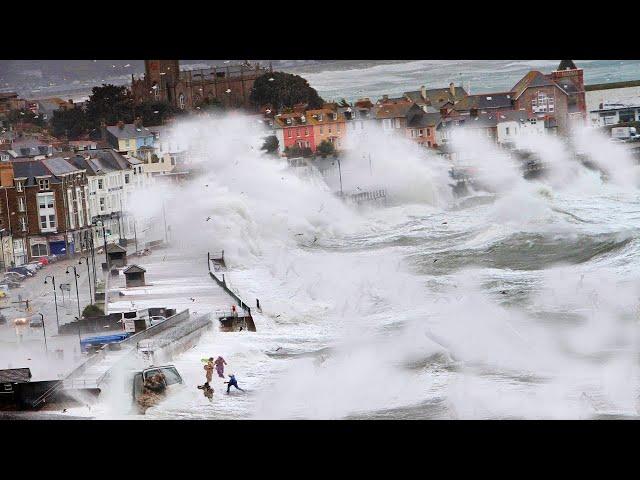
(233, 382)
(209, 369)
(220, 363)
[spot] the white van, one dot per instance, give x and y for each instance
(128, 319)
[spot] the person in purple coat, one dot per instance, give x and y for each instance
(220, 363)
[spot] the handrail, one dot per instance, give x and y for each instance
(222, 283)
(43, 397)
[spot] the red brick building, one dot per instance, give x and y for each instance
(163, 81)
(44, 208)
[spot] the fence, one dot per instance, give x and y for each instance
(223, 283)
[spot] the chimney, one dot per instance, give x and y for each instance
(138, 122)
(423, 92)
(452, 89)
(385, 98)
(443, 112)
(121, 125)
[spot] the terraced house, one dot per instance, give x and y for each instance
(45, 208)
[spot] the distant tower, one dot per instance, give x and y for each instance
(568, 72)
(161, 77)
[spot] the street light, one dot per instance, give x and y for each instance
(44, 331)
(86, 260)
(77, 294)
(55, 299)
(4, 265)
(104, 236)
(79, 336)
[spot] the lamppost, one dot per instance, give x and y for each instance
(135, 234)
(86, 260)
(340, 173)
(55, 299)
(93, 256)
(44, 331)
(4, 265)
(79, 336)
(77, 294)
(104, 236)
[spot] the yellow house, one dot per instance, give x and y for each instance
(327, 125)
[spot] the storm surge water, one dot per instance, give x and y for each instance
(519, 301)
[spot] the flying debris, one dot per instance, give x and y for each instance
(208, 218)
(127, 65)
(444, 223)
(113, 66)
(227, 61)
(156, 111)
(192, 299)
(228, 90)
(271, 79)
(435, 260)
(267, 110)
(207, 185)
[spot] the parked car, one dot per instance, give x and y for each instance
(14, 276)
(43, 261)
(22, 271)
(31, 268)
(36, 321)
(36, 263)
(6, 282)
(155, 319)
(52, 258)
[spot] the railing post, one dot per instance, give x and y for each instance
(209, 261)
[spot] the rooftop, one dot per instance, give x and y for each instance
(129, 130)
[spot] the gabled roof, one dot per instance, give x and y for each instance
(30, 169)
(15, 375)
(532, 79)
(485, 100)
(59, 166)
(424, 120)
(129, 130)
(567, 65)
(436, 97)
(115, 248)
(395, 110)
(133, 269)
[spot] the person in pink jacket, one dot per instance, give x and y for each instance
(220, 363)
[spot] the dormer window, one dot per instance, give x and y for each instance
(18, 186)
(320, 117)
(43, 183)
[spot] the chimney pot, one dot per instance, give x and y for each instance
(452, 89)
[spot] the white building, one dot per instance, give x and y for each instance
(614, 113)
(112, 179)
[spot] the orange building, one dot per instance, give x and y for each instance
(327, 125)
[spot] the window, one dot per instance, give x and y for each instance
(100, 184)
(306, 132)
(126, 178)
(43, 221)
(627, 115)
(43, 183)
(289, 133)
(52, 221)
(338, 128)
(298, 132)
(181, 101)
(321, 131)
(507, 130)
(421, 133)
(102, 204)
(21, 204)
(386, 123)
(397, 123)
(329, 129)
(18, 186)
(45, 201)
(23, 224)
(39, 250)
